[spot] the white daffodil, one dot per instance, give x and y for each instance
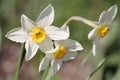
(64, 50)
(104, 26)
(38, 34)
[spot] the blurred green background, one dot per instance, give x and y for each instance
(10, 13)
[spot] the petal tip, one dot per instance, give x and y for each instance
(81, 48)
(50, 5)
(40, 69)
(27, 59)
(114, 7)
(91, 34)
(23, 16)
(46, 17)
(6, 35)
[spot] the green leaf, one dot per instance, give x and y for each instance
(96, 69)
(81, 65)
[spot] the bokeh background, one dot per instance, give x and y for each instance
(10, 13)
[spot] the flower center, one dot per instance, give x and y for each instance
(38, 34)
(102, 31)
(60, 53)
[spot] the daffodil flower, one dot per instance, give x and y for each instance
(103, 27)
(38, 34)
(64, 50)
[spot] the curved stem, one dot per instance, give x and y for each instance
(81, 19)
(20, 61)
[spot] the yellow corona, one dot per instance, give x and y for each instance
(60, 53)
(38, 34)
(102, 31)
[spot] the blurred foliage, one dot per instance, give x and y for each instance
(11, 10)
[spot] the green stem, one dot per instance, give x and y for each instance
(48, 77)
(20, 61)
(46, 71)
(80, 66)
(81, 19)
(0, 38)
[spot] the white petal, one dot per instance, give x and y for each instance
(112, 11)
(94, 49)
(96, 45)
(92, 34)
(44, 63)
(26, 23)
(108, 16)
(31, 49)
(56, 33)
(70, 55)
(46, 17)
(71, 45)
(54, 49)
(102, 18)
(17, 35)
(46, 46)
(55, 66)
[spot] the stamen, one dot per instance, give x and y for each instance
(38, 34)
(102, 31)
(60, 53)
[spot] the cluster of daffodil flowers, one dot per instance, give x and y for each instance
(54, 41)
